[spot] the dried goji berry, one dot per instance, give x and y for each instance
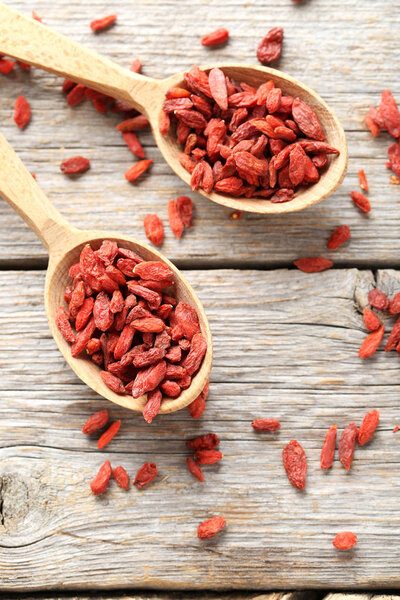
(76, 95)
(6, 66)
(109, 434)
(394, 337)
(198, 406)
(99, 484)
(103, 23)
(390, 113)
(138, 169)
(313, 264)
(397, 428)
(93, 346)
(394, 161)
(121, 477)
(35, 16)
(194, 469)
(152, 406)
(270, 47)
(113, 382)
(217, 37)
(164, 123)
(347, 444)
(207, 441)
(345, 540)
(153, 269)
(22, 112)
(295, 463)
(207, 457)
(394, 305)
(198, 348)
(154, 229)
(368, 426)
(371, 320)
(339, 236)
(266, 424)
(362, 178)
(149, 378)
(64, 325)
(84, 313)
(133, 143)
(211, 527)
(96, 421)
(328, 448)
(175, 219)
(378, 299)
(361, 201)
(133, 124)
(75, 165)
(146, 474)
(136, 65)
(184, 207)
(371, 343)
(307, 120)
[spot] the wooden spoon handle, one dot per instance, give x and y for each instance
(20, 190)
(28, 40)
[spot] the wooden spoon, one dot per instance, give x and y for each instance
(30, 41)
(64, 244)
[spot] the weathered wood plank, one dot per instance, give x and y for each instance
(178, 596)
(285, 346)
(346, 53)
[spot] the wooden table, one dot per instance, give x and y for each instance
(285, 342)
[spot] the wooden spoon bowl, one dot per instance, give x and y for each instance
(36, 44)
(64, 243)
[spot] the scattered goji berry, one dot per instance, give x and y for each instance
(217, 37)
(211, 527)
(152, 406)
(394, 161)
(6, 66)
(378, 299)
(22, 112)
(362, 178)
(154, 229)
(270, 47)
(345, 540)
(198, 406)
(138, 169)
(194, 469)
(397, 428)
(175, 219)
(146, 474)
(390, 113)
(133, 124)
(313, 264)
(103, 23)
(76, 95)
(109, 434)
(339, 236)
(371, 343)
(136, 65)
(328, 448)
(96, 421)
(371, 320)
(394, 337)
(361, 201)
(36, 16)
(295, 463)
(133, 143)
(121, 477)
(207, 441)
(368, 426)
(394, 305)
(347, 444)
(100, 483)
(266, 424)
(208, 457)
(75, 165)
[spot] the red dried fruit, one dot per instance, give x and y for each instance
(217, 37)
(297, 165)
(93, 346)
(397, 428)
(117, 302)
(295, 463)
(217, 82)
(76, 95)
(99, 484)
(84, 313)
(237, 214)
(83, 337)
(345, 540)
(207, 441)
(75, 165)
(133, 124)
(347, 444)
(313, 264)
(133, 143)
(394, 161)
(328, 449)
(371, 343)
(145, 475)
(103, 317)
(198, 348)
(211, 527)
(67, 85)
(22, 112)
(198, 406)
(194, 469)
(362, 178)
(148, 379)
(6, 66)
(138, 169)
(361, 201)
(390, 113)
(64, 325)
(96, 421)
(394, 337)
(378, 299)
(184, 207)
(208, 457)
(109, 434)
(306, 120)
(154, 229)
(266, 424)
(188, 320)
(175, 219)
(155, 270)
(368, 426)
(121, 477)
(270, 47)
(164, 122)
(152, 406)
(371, 320)
(113, 382)
(103, 23)
(394, 305)
(136, 65)
(339, 236)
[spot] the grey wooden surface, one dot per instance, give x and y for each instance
(285, 343)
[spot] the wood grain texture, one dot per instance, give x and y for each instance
(287, 348)
(177, 596)
(344, 51)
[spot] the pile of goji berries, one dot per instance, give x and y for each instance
(141, 338)
(244, 141)
(379, 300)
(387, 116)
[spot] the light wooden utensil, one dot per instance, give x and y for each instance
(28, 40)
(64, 244)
